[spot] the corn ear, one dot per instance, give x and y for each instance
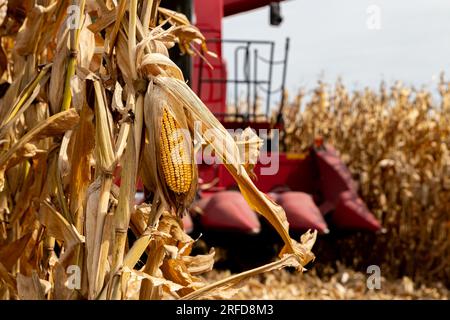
(173, 171)
(176, 161)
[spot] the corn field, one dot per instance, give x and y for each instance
(89, 94)
(396, 143)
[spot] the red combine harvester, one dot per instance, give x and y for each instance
(315, 189)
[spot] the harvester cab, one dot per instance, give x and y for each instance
(315, 189)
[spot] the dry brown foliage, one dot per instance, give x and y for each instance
(396, 143)
(80, 96)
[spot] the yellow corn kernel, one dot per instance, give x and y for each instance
(176, 160)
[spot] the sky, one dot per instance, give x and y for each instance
(408, 40)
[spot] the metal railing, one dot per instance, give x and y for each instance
(247, 58)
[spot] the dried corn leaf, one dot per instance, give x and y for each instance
(58, 75)
(32, 288)
(199, 264)
(52, 126)
(3, 11)
(10, 253)
(214, 290)
(59, 227)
